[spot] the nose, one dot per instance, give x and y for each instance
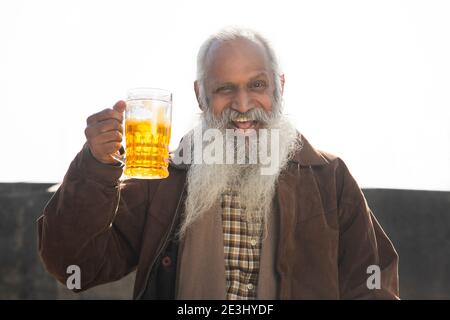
(241, 102)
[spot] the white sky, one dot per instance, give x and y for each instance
(366, 80)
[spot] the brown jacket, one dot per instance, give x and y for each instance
(328, 236)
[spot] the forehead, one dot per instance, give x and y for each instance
(235, 60)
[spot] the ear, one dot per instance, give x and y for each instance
(197, 94)
(282, 83)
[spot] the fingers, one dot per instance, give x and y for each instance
(104, 132)
(108, 148)
(102, 146)
(104, 115)
(103, 126)
(115, 113)
(105, 137)
(120, 106)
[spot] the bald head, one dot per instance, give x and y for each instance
(235, 57)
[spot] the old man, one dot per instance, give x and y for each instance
(221, 230)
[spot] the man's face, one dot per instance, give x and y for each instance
(238, 76)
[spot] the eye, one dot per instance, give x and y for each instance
(224, 89)
(258, 84)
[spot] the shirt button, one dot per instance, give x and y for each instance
(253, 242)
(166, 261)
(250, 286)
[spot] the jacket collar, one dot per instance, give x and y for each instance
(307, 155)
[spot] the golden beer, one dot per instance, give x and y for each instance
(147, 148)
(148, 118)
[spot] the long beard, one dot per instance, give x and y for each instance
(207, 182)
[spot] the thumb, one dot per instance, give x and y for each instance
(120, 106)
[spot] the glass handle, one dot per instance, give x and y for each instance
(121, 157)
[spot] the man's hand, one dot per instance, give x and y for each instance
(104, 133)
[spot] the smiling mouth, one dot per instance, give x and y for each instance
(244, 123)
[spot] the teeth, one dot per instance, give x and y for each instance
(242, 119)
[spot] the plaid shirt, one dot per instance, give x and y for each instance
(242, 248)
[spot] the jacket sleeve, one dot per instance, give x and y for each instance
(94, 222)
(363, 248)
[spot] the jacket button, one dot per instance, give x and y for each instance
(166, 261)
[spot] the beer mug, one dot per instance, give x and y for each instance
(148, 117)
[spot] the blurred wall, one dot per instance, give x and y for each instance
(417, 222)
(22, 275)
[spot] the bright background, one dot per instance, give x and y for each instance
(366, 80)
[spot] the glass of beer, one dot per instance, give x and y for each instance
(148, 118)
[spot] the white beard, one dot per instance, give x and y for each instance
(207, 182)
